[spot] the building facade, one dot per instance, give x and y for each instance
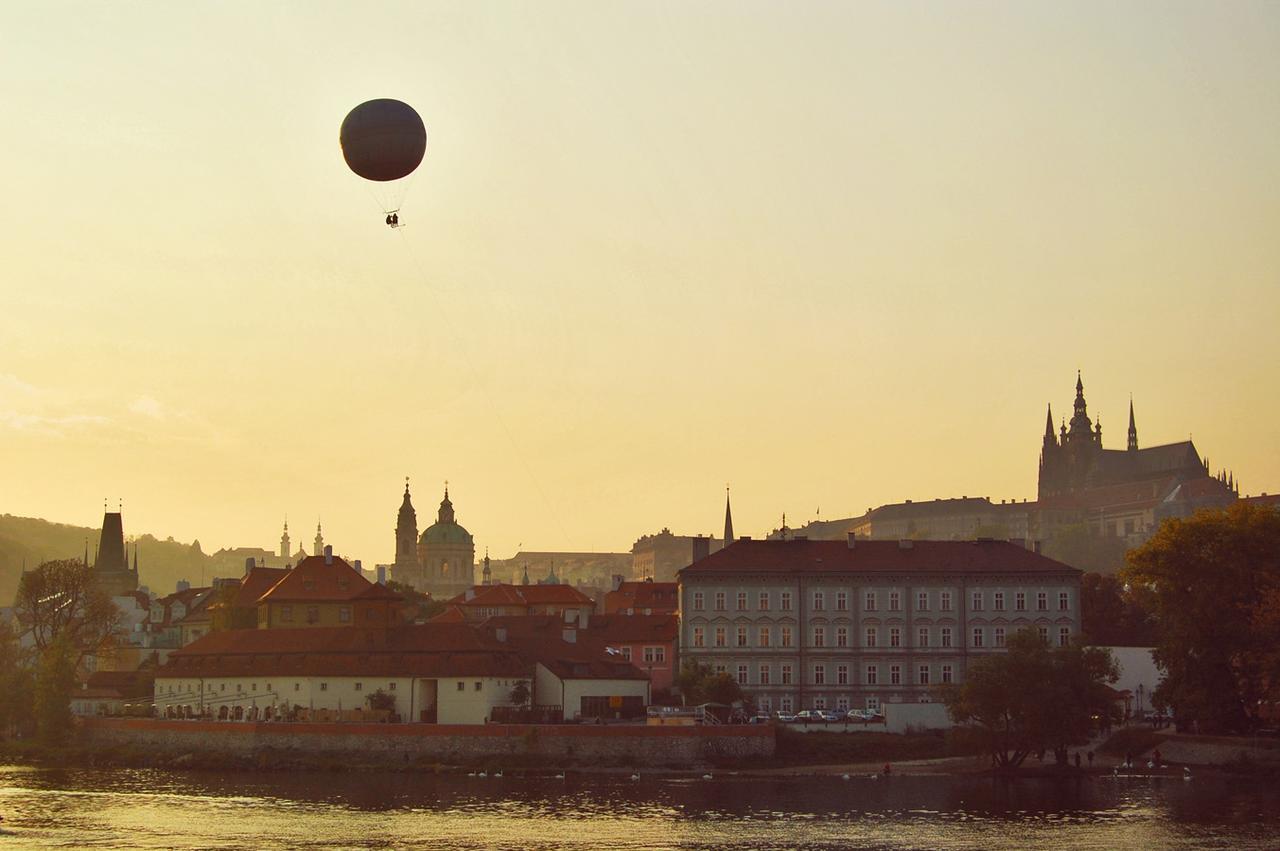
(806, 624)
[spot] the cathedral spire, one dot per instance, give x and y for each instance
(1133, 429)
(728, 519)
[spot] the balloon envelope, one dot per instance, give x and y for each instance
(383, 139)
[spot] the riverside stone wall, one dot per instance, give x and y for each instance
(674, 747)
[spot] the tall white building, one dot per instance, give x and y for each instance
(857, 624)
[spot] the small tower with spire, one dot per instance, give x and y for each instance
(1133, 429)
(486, 575)
(728, 519)
(284, 540)
(319, 542)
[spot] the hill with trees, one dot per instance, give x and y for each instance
(161, 562)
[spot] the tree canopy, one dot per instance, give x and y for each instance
(700, 684)
(59, 600)
(1114, 614)
(1034, 698)
(1214, 581)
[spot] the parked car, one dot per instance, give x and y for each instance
(759, 719)
(809, 716)
(784, 717)
(861, 715)
(832, 715)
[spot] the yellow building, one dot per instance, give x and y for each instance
(326, 591)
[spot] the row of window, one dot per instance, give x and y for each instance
(839, 637)
(313, 614)
(787, 704)
(253, 687)
(871, 601)
(651, 655)
(840, 675)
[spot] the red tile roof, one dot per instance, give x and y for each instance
(1265, 500)
(655, 596)
(316, 581)
(424, 650)
(540, 638)
(625, 629)
(490, 596)
(255, 583)
(963, 557)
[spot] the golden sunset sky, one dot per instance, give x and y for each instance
(837, 254)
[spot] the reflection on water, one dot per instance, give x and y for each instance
(160, 809)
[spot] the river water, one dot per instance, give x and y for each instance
(122, 808)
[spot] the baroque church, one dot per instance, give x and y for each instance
(442, 560)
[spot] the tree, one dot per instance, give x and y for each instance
(55, 677)
(417, 604)
(1211, 580)
(1112, 613)
(17, 683)
(1033, 698)
(520, 693)
(60, 600)
(700, 684)
(381, 700)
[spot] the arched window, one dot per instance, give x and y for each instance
(444, 568)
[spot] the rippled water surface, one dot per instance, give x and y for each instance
(161, 809)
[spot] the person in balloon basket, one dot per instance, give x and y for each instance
(393, 219)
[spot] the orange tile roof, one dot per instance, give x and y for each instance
(490, 596)
(255, 583)
(805, 556)
(315, 581)
(413, 650)
(656, 596)
(621, 629)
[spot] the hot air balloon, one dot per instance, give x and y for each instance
(383, 141)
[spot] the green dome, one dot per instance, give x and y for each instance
(446, 529)
(445, 533)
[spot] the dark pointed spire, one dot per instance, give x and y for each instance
(728, 519)
(135, 556)
(525, 580)
(1079, 385)
(1048, 423)
(1133, 428)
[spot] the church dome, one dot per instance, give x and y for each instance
(445, 533)
(446, 529)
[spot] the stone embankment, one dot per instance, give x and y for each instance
(551, 745)
(1219, 750)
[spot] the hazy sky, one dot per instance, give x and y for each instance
(835, 254)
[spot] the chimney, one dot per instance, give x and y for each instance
(382, 574)
(617, 581)
(501, 634)
(701, 548)
(469, 594)
(905, 544)
(249, 564)
(1037, 547)
(328, 554)
(853, 539)
(356, 565)
(570, 635)
(183, 585)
